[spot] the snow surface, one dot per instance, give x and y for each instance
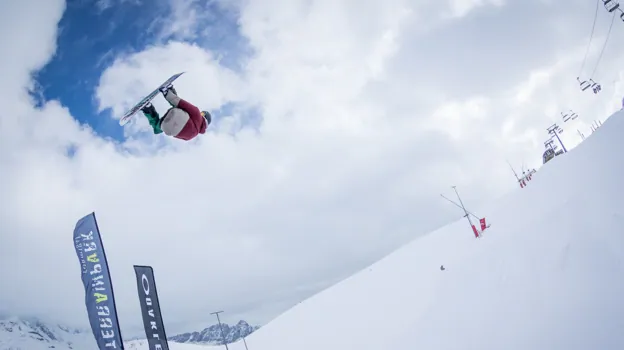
(548, 274)
(142, 345)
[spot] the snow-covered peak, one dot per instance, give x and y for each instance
(33, 334)
(18, 333)
(212, 334)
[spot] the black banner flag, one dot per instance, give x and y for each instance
(150, 308)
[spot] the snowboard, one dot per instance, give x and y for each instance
(147, 99)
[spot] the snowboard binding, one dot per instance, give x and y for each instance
(149, 109)
(166, 89)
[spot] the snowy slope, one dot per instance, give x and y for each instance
(548, 274)
(142, 345)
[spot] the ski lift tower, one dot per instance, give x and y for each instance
(556, 130)
(550, 144)
(571, 115)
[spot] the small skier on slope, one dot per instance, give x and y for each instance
(183, 120)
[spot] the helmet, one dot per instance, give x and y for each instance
(206, 115)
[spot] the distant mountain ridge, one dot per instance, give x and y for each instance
(33, 334)
(19, 333)
(212, 334)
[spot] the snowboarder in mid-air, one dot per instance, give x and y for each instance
(183, 120)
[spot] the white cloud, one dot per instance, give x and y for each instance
(183, 21)
(460, 8)
(103, 5)
(189, 20)
(358, 139)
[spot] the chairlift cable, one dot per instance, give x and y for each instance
(591, 37)
(604, 46)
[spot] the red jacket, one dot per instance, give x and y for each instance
(183, 121)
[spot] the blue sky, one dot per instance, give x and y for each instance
(91, 37)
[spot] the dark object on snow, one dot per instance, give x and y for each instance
(442, 267)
